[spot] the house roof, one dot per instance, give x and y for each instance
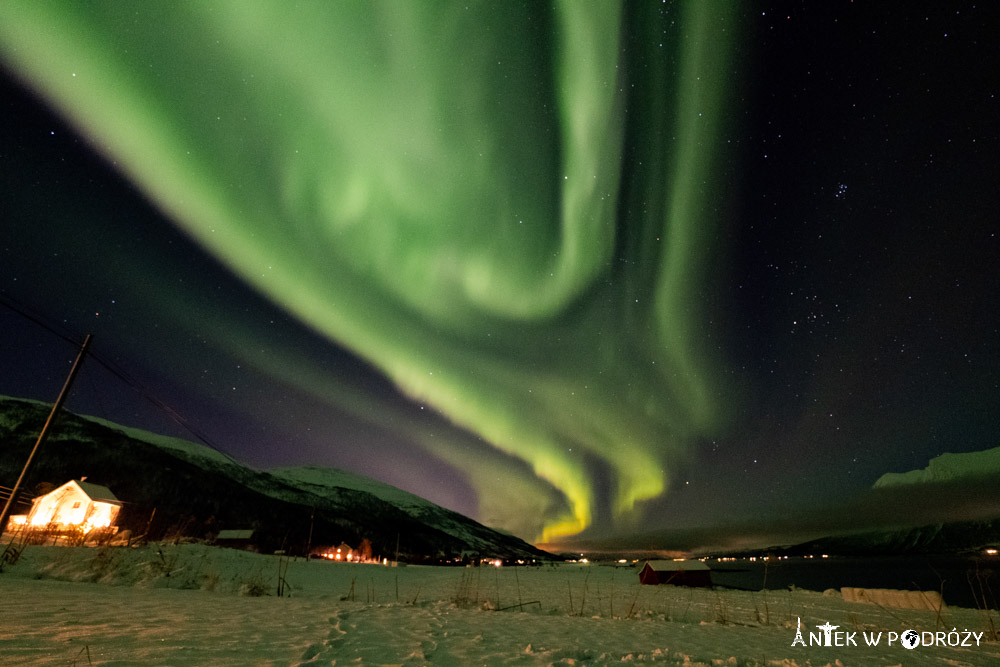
(97, 491)
(676, 565)
(234, 534)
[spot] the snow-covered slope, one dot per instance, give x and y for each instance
(327, 482)
(14, 410)
(947, 468)
(316, 478)
(186, 449)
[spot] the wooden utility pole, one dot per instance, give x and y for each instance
(45, 431)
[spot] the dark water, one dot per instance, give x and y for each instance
(955, 576)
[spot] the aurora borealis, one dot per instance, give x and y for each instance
(532, 261)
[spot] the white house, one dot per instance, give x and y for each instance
(76, 505)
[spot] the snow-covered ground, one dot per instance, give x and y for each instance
(199, 605)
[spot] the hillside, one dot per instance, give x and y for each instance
(960, 537)
(325, 482)
(196, 491)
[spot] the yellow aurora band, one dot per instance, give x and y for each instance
(511, 210)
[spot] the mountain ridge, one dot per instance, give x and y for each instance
(173, 487)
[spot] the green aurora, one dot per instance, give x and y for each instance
(512, 211)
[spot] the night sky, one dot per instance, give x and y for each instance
(684, 266)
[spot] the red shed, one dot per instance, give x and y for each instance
(677, 572)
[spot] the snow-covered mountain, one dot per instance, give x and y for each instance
(947, 468)
(960, 537)
(318, 479)
(325, 482)
(197, 491)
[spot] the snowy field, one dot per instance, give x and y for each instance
(197, 605)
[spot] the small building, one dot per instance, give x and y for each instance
(676, 572)
(343, 553)
(235, 538)
(76, 505)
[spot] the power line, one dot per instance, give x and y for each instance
(39, 319)
(23, 497)
(169, 411)
(36, 317)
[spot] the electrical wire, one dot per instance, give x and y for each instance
(36, 317)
